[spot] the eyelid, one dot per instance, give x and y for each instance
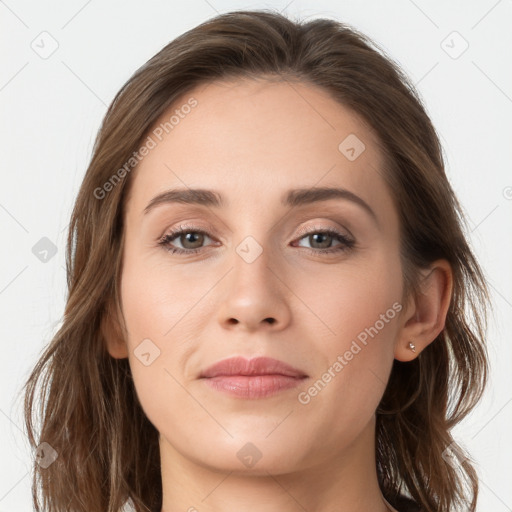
(208, 229)
(315, 228)
(187, 225)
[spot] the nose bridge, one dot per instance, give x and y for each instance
(253, 238)
(254, 294)
(257, 256)
(253, 265)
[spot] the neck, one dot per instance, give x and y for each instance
(345, 481)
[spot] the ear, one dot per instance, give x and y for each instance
(112, 333)
(425, 315)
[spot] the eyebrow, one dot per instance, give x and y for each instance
(291, 198)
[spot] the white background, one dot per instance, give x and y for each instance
(52, 109)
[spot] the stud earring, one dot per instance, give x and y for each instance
(412, 346)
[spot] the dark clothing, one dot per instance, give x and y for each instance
(403, 504)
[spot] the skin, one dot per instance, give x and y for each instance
(252, 141)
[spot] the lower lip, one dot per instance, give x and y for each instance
(254, 386)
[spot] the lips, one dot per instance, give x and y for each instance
(251, 367)
(257, 378)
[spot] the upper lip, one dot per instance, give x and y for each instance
(256, 366)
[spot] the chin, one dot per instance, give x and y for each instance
(252, 456)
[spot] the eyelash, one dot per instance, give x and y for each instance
(346, 243)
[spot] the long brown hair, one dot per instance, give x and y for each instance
(89, 413)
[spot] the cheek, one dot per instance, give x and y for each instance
(164, 317)
(155, 308)
(357, 315)
(157, 299)
(346, 300)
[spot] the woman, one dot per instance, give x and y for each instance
(269, 286)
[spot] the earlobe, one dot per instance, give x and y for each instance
(114, 339)
(407, 351)
(426, 315)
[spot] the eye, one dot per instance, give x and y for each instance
(189, 237)
(324, 238)
(191, 240)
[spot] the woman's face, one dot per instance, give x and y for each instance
(258, 276)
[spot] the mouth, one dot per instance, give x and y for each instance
(252, 379)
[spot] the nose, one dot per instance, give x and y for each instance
(255, 295)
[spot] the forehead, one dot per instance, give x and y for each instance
(254, 139)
